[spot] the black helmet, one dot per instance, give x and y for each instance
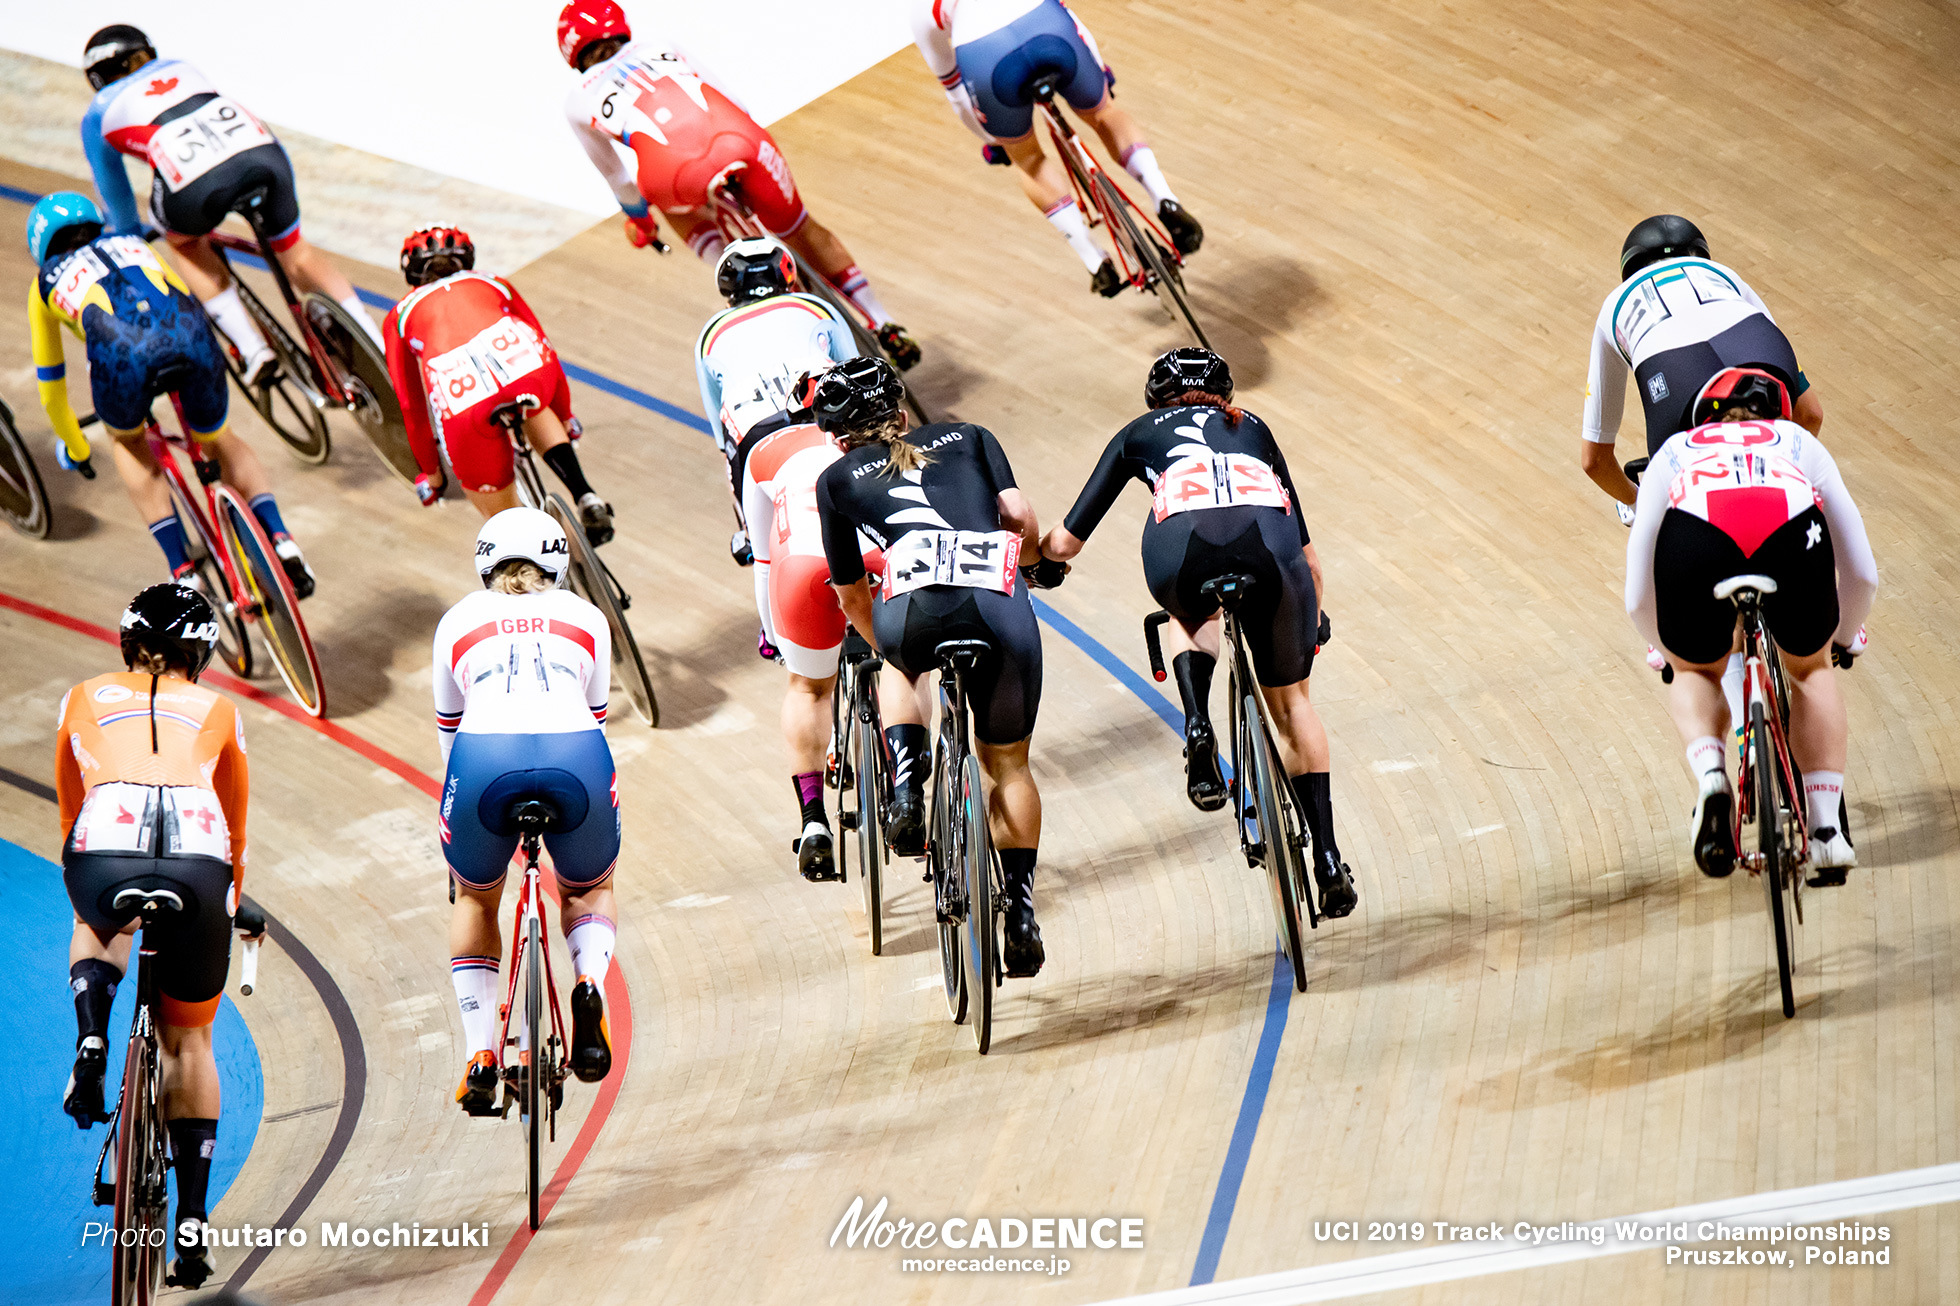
(1750, 389)
(1661, 236)
(755, 268)
(173, 620)
(853, 395)
(1183, 370)
(110, 54)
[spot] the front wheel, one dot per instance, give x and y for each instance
(982, 929)
(536, 1065)
(290, 404)
(592, 582)
(1769, 842)
(234, 639)
(270, 592)
(1164, 270)
(23, 499)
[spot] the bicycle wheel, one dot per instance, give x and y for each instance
(528, 1106)
(234, 641)
(23, 498)
(977, 870)
(1282, 851)
(271, 593)
(141, 1250)
(1769, 842)
(1164, 271)
(592, 582)
(291, 405)
(865, 749)
(364, 376)
(942, 850)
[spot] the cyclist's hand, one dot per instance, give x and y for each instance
(995, 155)
(69, 463)
(1626, 513)
(429, 491)
(1843, 655)
(249, 922)
(574, 428)
(1045, 573)
(645, 231)
(1325, 635)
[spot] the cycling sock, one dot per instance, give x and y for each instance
(592, 939)
(1317, 806)
(1732, 678)
(809, 796)
(910, 757)
(853, 283)
(229, 312)
(1017, 868)
(266, 509)
(1141, 163)
(94, 982)
(1194, 668)
(192, 1141)
(475, 979)
(1822, 791)
(358, 311)
(707, 244)
(1707, 758)
(563, 459)
(1066, 217)
(169, 535)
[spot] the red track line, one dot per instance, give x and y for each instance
(618, 1001)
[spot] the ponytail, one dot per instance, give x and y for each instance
(901, 455)
(1204, 399)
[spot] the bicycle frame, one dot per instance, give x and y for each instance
(530, 905)
(1083, 174)
(209, 473)
(326, 372)
(1766, 686)
(946, 764)
(1241, 679)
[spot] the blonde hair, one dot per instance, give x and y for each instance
(901, 455)
(520, 576)
(149, 662)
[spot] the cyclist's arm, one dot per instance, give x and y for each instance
(598, 681)
(838, 339)
(69, 788)
(520, 308)
(710, 386)
(447, 693)
(51, 373)
(1606, 393)
(605, 156)
(1857, 570)
(111, 182)
(1098, 496)
(231, 779)
(406, 373)
(840, 537)
(1293, 497)
(1648, 510)
(1017, 515)
(936, 45)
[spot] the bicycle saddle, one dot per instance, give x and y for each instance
(532, 814)
(962, 654)
(510, 416)
(146, 900)
(1038, 68)
(170, 379)
(1736, 586)
(1228, 590)
(250, 199)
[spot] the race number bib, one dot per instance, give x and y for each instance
(980, 560)
(490, 360)
(762, 395)
(1224, 480)
(184, 149)
(90, 264)
(148, 821)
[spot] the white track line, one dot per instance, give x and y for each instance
(1818, 1204)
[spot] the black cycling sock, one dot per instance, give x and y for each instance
(94, 983)
(563, 459)
(191, 1143)
(1194, 670)
(1317, 806)
(809, 796)
(911, 759)
(1017, 868)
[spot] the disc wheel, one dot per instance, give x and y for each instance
(234, 639)
(982, 941)
(23, 498)
(592, 582)
(943, 850)
(271, 593)
(1769, 843)
(1281, 848)
(290, 403)
(137, 1273)
(865, 748)
(364, 375)
(536, 1068)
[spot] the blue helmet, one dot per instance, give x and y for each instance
(52, 213)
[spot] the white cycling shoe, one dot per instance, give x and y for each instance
(1831, 856)
(260, 366)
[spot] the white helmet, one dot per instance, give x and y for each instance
(522, 533)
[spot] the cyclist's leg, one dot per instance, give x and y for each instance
(545, 429)
(98, 957)
(309, 269)
(697, 228)
(193, 954)
(1006, 696)
(575, 774)
(1803, 615)
(480, 455)
(478, 861)
(186, 218)
(808, 629)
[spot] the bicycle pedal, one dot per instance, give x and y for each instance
(847, 820)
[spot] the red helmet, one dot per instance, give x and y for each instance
(427, 244)
(582, 22)
(1749, 388)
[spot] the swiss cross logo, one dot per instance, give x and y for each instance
(124, 816)
(161, 86)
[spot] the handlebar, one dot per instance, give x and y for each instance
(249, 922)
(1154, 644)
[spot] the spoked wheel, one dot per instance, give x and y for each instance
(1281, 850)
(976, 865)
(870, 841)
(23, 499)
(943, 850)
(528, 1104)
(1769, 843)
(1166, 276)
(271, 593)
(290, 404)
(141, 1245)
(364, 375)
(592, 582)
(234, 640)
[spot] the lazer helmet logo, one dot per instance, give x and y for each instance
(554, 546)
(484, 548)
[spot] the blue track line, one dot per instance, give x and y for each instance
(1239, 1151)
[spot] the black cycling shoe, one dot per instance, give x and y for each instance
(191, 1268)
(905, 823)
(1203, 781)
(1185, 231)
(1022, 955)
(899, 346)
(816, 857)
(82, 1099)
(477, 1094)
(1336, 881)
(591, 1041)
(1106, 280)
(1714, 834)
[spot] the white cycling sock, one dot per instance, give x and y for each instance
(1141, 163)
(1066, 218)
(475, 979)
(232, 317)
(592, 938)
(358, 311)
(1708, 759)
(1732, 679)
(1822, 791)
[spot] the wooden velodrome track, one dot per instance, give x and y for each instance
(1540, 1012)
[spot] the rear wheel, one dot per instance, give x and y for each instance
(287, 405)
(141, 1242)
(23, 499)
(364, 375)
(271, 593)
(943, 852)
(536, 1065)
(982, 930)
(1282, 849)
(1769, 842)
(592, 582)
(865, 747)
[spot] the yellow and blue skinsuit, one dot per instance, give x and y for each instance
(143, 332)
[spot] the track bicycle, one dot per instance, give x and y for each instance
(23, 498)
(138, 1191)
(535, 1083)
(589, 578)
(1271, 829)
(960, 858)
(333, 364)
(1145, 255)
(862, 774)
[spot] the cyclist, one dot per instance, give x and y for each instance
(151, 776)
(144, 336)
(685, 134)
(987, 55)
(207, 152)
(1676, 319)
(521, 674)
(1224, 504)
(1748, 491)
(460, 345)
(945, 487)
(750, 355)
